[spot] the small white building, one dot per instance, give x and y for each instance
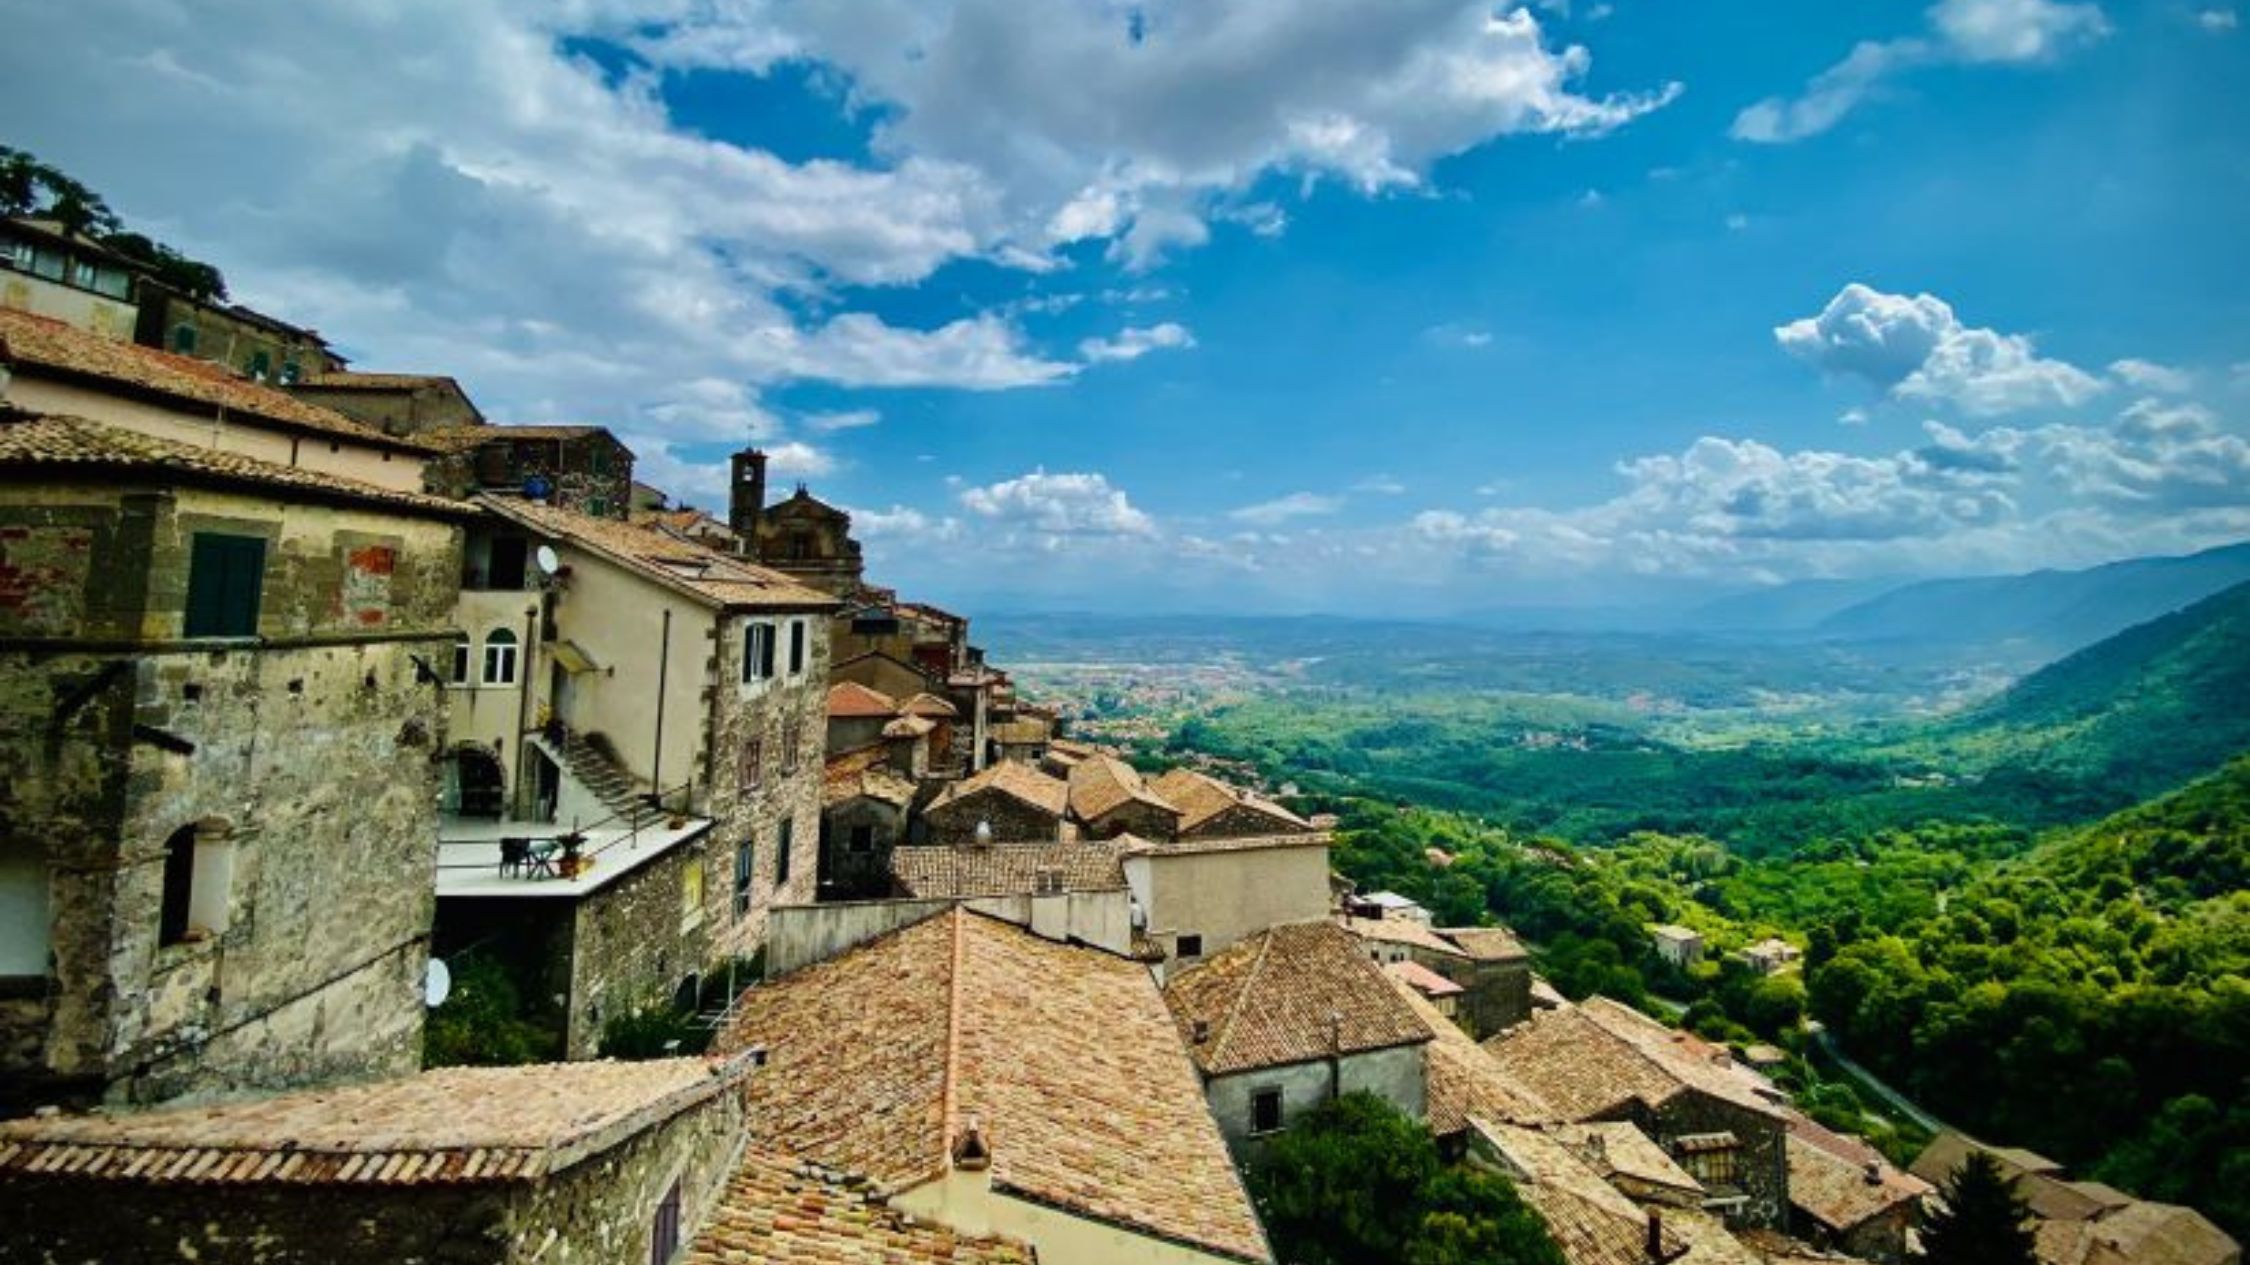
(1677, 945)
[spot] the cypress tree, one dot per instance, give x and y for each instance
(1984, 1221)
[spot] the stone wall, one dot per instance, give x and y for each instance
(1496, 995)
(632, 943)
(1240, 822)
(591, 473)
(1763, 1157)
(299, 765)
(1013, 821)
(402, 410)
(864, 873)
(756, 719)
(1137, 818)
(229, 339)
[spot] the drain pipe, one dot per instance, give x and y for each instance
(663, 669)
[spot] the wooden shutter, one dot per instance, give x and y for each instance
(225, 574)
(765, 651)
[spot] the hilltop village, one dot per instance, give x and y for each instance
(316, 684)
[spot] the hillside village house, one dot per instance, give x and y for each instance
(48, 271)
(394, 403)
(1677, 945)
(580, 468)
(1200, 896)
(1108, 798)
(484, 1166)
(1844, 1196)
(1490, 967)
(993, 1081)
(1293, 1017)
(2087, 1223)
(1006, 803)
(662, 703)
(217, 806)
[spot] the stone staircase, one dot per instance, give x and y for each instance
(598, 771)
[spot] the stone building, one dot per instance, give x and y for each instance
(803, 537)
(1012, 802)
(1844, 1196)
(248, 342)
(864, 804)
(1211, 809)
(664, 702)
(394, 403)
(1108, 798)
(857, 716)
(1602, 1061)
(69, 277)
(506, 1166)
(218, 718)
(1293, 1017)
(998, 1082)
(581, 468)
(2087, 1223)
(779, 1209)
(1677, 945)
(1199, 896)
(1492, 968)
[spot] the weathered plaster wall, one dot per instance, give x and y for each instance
(1395, 1075)
(966, 1202)
(1224, 896)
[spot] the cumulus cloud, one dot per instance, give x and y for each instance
(2147, 375)
(2017, 32)
(1057, 506)
(2217, 21)
(1284, 508)
(903, 523)
(1134, 342)
(1916, 348)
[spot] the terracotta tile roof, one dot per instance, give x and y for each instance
(1683, 1055)
(1577, 1065)
(465, 438)
(352, 379)
(1487, 944)
(1464, 1081)
(1101, 784)
(1422, 979)
(63, 444)
(1136, 845)
(1200, 797)
(1589, 1219)
(1017, 781)
(930, 705)
(712, 577)
(1616, 1149)
(2049, 1198)
(779, 1209)
(1063, 1057)
(1404, 931)
(1294, 993)
(864, 773)
(1004, 869)
(37, 344)
(909, 727)
(1836, 1192)
(456, 1124)
(2140, 1233)
(851, 699)
(1710, 1242)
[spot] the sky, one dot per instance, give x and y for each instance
(1387, 306)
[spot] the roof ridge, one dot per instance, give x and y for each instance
(1242, 993)
(949, 1099)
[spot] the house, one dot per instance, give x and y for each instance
(1442, 994)
(1590, 1221)
(987, 1079)
(583, 1162)
(1292, 1017)
(864, 802)
(216, 788)
(47, 270)
(1393, 905)
(665, 704)
(1495, 973)
(1007, 803)
(1023, 737)
(1209, 808)
(2087, 1223)
(581, 468)
(1199, 896)
(857, 716)
(776, 1208)
(1677, 945)
(251, 343)
(1631, 1161)
(1108, 799)
(1770, 955)
(1845, 1196)
(394, 403)
(1602, 1061)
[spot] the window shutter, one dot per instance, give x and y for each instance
(796, 647)
(224, 576)
(765, 650)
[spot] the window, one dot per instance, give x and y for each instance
(1187, 946)
(745, 865)
(260, 366)
(500, 657)
(789, 753)
(691, 894)
(183, 339)
(23, 908)
(179, 886)
(224, 576)
(800, 547)
(1047, 883)
(597, 506)
(796, 647)
(863, 839)
(757, 652)
(291, 372)
(1714, 1159)
(508, 555)
(1265, 1111)
(781, 852)
(753, 764)
(460, 661)
(198, 882)
(664, 1236)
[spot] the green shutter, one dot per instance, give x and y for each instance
(225, 574)
(781, 853)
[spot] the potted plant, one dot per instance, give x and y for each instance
(572, 863)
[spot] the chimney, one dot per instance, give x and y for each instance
(746, 495)
(1874, 1172)
(1655, 1246)
(1202, 1031)
(969, 1150)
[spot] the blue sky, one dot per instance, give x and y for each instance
(1321, 306)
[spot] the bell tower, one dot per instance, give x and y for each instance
(746, 496)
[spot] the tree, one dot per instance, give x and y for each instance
(31, 187)
(1355, 1182)
(1984, 1221)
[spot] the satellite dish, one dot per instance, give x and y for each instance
(547, 561)
(437, 984)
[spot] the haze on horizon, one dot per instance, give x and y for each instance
(1425, 306)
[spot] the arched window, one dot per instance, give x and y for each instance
(500, 657)
(461, 660)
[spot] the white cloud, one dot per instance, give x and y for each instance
(1058, 505)
(2147, 375)
(799, 459)
(1916, 348)
(1134, 342)
(2217, 20)
(1455, 334)
(1963, 31)
(1381, 485)
(982, 353)
(848, 419)
(1853, 417)
(1284, 508)
(902, 523)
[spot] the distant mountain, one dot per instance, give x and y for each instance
(2129, 717)
(2053, 612)
(1792, 607)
